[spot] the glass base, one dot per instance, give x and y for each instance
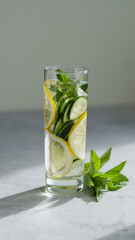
(64, 186)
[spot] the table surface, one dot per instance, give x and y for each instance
(26, 212)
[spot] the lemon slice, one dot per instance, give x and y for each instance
(60, 156)
(77, 137)
(50, 109)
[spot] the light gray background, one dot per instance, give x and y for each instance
(98, 34)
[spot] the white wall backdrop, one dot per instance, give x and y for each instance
(98, 34)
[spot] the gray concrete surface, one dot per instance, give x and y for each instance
(26, 212)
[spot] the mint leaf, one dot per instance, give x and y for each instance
(119, 178)
(87, 180)
(96, 160)
(99, 186)
(99, 195)
(53, 88)
(112, 187)
(63, 78)
(100, 182)
(105, 157)
(117, 182)
(86, 167)
(72, 91)
(98, 174)
(92, 168)
(66, 85)
(114, 171)
(57, 96)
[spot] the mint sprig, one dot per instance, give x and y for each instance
(67, 86)
(100, 182)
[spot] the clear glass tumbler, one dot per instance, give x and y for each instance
(65, 118)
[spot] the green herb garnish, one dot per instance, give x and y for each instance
(100, 182)
(67, 86)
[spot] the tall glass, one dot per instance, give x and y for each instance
(65, 117)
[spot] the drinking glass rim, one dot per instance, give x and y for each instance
(53, 68)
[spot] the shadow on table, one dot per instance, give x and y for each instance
(37, 197)
(123, 234)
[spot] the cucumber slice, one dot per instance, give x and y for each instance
(64, 130)
(67, 111)
(62, 100)
(78, 108)
(58, 114)
(65, 103)
(58, 127)
(76, 159)
(57, 118)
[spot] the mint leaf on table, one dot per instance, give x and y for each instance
(117, 182)
(112, 187)
(96, 160)
(100, 182)
(119, 179)
(114, 171)
(105, 157)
